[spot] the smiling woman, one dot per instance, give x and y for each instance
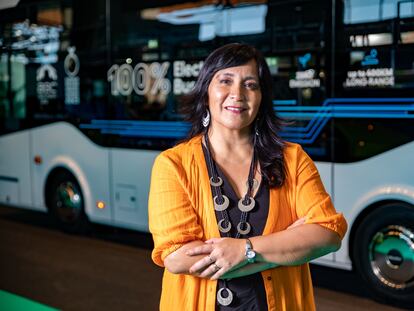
(235, 212)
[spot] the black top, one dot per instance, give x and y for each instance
(248, 291)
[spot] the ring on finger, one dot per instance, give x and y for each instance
(216, 267)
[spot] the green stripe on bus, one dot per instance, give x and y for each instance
(11, 302)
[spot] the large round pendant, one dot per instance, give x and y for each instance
(246, 208)
(224, 301)
(216, 183)
(224, 229)
(245, 231)
(221, 207)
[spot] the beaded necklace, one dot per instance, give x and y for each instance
(221, 203)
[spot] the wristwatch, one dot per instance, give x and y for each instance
(249, 253)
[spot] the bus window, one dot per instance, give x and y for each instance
(56, 57)
(377, 58)
(157, 51)
(6, 107)
(299, 63)
(12, 87)
(362, 11)
(87, 43)
(374, 69)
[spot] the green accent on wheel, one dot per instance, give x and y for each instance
(394, 243)
(11, 302)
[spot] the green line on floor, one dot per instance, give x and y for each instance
(11, 302)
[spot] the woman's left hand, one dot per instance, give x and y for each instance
(222, 254)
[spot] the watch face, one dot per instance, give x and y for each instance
(250, 254)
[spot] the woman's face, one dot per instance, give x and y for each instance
(234, 97)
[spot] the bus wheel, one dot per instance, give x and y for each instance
(65, 202)
(383, 252)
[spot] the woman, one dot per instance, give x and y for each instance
(235, 212)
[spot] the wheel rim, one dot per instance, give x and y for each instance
(68, 202)
(392, 256)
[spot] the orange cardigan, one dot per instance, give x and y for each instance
(181, 210)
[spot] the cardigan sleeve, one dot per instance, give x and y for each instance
(312, 200)
(172, 218)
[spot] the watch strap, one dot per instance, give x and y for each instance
(250, 254)
(249, 245)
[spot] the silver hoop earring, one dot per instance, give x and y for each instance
(256, 127)
(206, 119)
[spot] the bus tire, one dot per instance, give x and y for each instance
(383, 253)
(65, 202)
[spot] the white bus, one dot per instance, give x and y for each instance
(90, 90)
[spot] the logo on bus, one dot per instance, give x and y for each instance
(71, 66)
(371, 58)
(307, 78)
(303, 60)
(46, 78)
(370, 76)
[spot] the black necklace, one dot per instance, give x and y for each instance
(221, 203)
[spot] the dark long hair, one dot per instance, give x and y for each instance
(268, 145)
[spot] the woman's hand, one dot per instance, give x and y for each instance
(222, 255)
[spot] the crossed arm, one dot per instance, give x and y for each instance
(224, 257)
(296, 245)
